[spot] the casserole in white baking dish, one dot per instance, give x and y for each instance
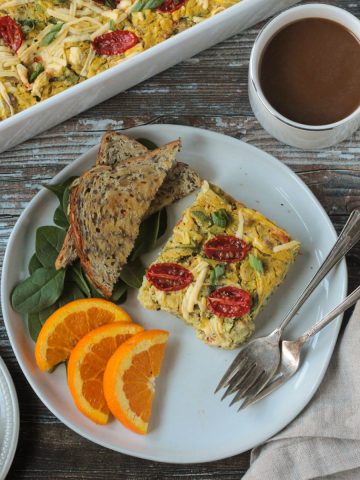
(81, 96)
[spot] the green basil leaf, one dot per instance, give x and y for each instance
(37, 320)
(148, 234)
(36, 72)
(119, 291)
(51, 35)
(256, 263)
(145, 141)
(220, 218)
(163, 222)
(34, 264)
(71, 292)
(49, 241)
(217, 273)
(74, 274)
(204, 219)
(60, 219)
(132, 273)
(39, 291)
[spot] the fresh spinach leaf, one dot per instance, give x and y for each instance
(110, 3)
(37, 320)
(59, 188)
(220, 218)
(74, 274)
(39, 291)
(51, 35)
(65, 202)
(34, 264)
(119, 291)
(217, 273)
(145, 141)
(132, 273)
(95, 293)
(163, 222)
(256, 263)
(148, 234)
(70, 293)
(49, 241)
(60, 219)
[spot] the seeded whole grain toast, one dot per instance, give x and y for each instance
(116, 148)
(106, 208)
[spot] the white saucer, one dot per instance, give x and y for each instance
(9, 420)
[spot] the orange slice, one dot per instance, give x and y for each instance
(129, 378)
(64, 328)
(87, 364)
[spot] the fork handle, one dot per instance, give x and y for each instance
(344, 305)
(349, 236)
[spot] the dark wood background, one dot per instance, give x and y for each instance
(208, 91)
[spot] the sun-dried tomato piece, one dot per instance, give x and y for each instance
(229, 302)
(11, 33)
(226, 248)
(114, 43)
(170, 6)
(169, 277)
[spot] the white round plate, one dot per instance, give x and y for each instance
(189, 423)
(9, 420)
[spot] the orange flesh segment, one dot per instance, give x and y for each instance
(129, 380)
(65, 327)
(87, 364)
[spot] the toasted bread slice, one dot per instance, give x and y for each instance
(115, 148)
(107, 207)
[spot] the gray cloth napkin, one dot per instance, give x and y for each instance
(323, 442)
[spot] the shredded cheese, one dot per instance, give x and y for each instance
(192, 293)
(286, 246)
(240, 230)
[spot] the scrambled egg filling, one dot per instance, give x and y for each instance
(57, 50)
(271, 246)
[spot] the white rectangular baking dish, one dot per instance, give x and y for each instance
(134, 70)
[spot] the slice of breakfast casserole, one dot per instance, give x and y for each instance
(220, 266)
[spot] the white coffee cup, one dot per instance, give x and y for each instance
(287, 131)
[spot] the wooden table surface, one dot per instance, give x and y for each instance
(208, 91)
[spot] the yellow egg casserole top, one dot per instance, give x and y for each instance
(218, 269)
(47, 46)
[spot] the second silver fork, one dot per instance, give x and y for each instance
(258, 361)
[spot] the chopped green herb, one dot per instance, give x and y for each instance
(202, 217)
(38, 68)
(110, 3)
(27, 25)
(220, 218)
(256, 263)
(51, 35)
(112, 26)
(146, 5)
(217, 273)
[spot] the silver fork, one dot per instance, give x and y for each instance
(291, 350)
(258, 361)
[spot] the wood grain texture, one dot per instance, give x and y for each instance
(207, 91)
